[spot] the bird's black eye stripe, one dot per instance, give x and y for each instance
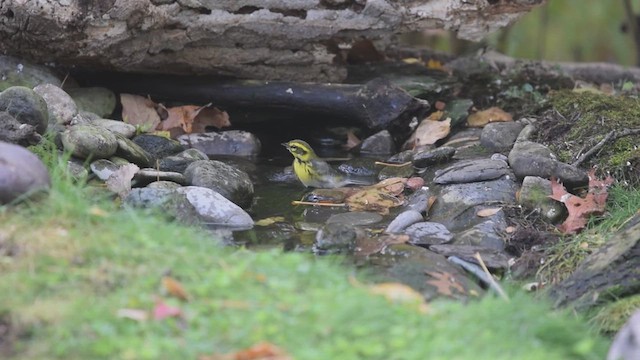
(298, 149)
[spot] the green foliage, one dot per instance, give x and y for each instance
(78, 260)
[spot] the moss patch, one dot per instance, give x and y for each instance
(579, 120)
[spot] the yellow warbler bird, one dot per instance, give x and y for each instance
(313, 171)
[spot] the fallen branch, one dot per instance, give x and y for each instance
(611, 136)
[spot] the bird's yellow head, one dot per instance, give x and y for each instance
(300, 150)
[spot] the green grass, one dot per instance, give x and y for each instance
(76, 259)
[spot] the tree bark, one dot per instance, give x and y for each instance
(261, 39)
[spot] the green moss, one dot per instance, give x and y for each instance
(586, 118)
(610, 318)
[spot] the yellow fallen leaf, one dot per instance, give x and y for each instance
(492, 114)
(429, 131)
(270, 220)
(411, 60)
(398, 293)
(488, 212)
(174, 288)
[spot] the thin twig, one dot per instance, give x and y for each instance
(611, 136)
(493, 282)
(296, 202)
(392, 164)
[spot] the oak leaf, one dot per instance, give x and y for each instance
(492, 114)
(188, 119)
(139, 111)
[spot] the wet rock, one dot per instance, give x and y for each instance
(439, 155)
(325, 195)
(233, 142)
(180, 161)
(13, 131)
(321, 214)
(500, 136)
(17, 72)
(528, 158)
(232, 183)
(404, 220)
(164, 184)
(388, 172)
(146, 176)
(458, 203)
(472, 171)
(360, 166)
(77, 170)
(534, 194)
(88, 141)
(425, 271)
(487, 234)
(492, 258)
(378, 143)
(464, 138)
(419, 200)
(355, 218)
(458, 111)
(148, 197)
(129, 150)
(116, 127)
(212, 208)
(428, 233)
(60, 105)
(22, 174)
(103, 168)
(336, 237)
(100, 101)
(401, 157)
(25, 106)
(158, 146)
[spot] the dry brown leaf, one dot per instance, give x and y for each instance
(435, 65)
(187, 119)
(488, 212)
(445, 283)
(492, 114)
(429, 131)
(398, 293)
(352, 140)
(260, 351)
(133, 314)
(139, 111)
(581, 209)
(379, 197)
(174, 288)
(120, 181)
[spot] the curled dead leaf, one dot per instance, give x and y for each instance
(492, 114)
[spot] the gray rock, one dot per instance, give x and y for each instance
(158, 146)
(419, 200)
(129, 150)
(85, 118)
(428, 233)
(149, 197)
(458, 111)
(487, 234)
(355, 218)
(464, 138)
(180, 161)
(500, 136)
(88, 141)
(335, 237)
(626, 344)
(458, 204)
(472, 171)
(164, 184)
(146, 176)
(100, 101)
(26, 106)
(534, 194)
(13, 131)
(103, 168)
(401, 157)
(77, 170)
(439, 155)
(117, 127)
(528, 158)
(214, 209)
(404, 220)
(320, 214)
(17, 72)
(494, 259)
(233, 142)
(378, 143)
(60, 105)
(232, 183)
(22, 174)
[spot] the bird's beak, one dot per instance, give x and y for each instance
(285, 145)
